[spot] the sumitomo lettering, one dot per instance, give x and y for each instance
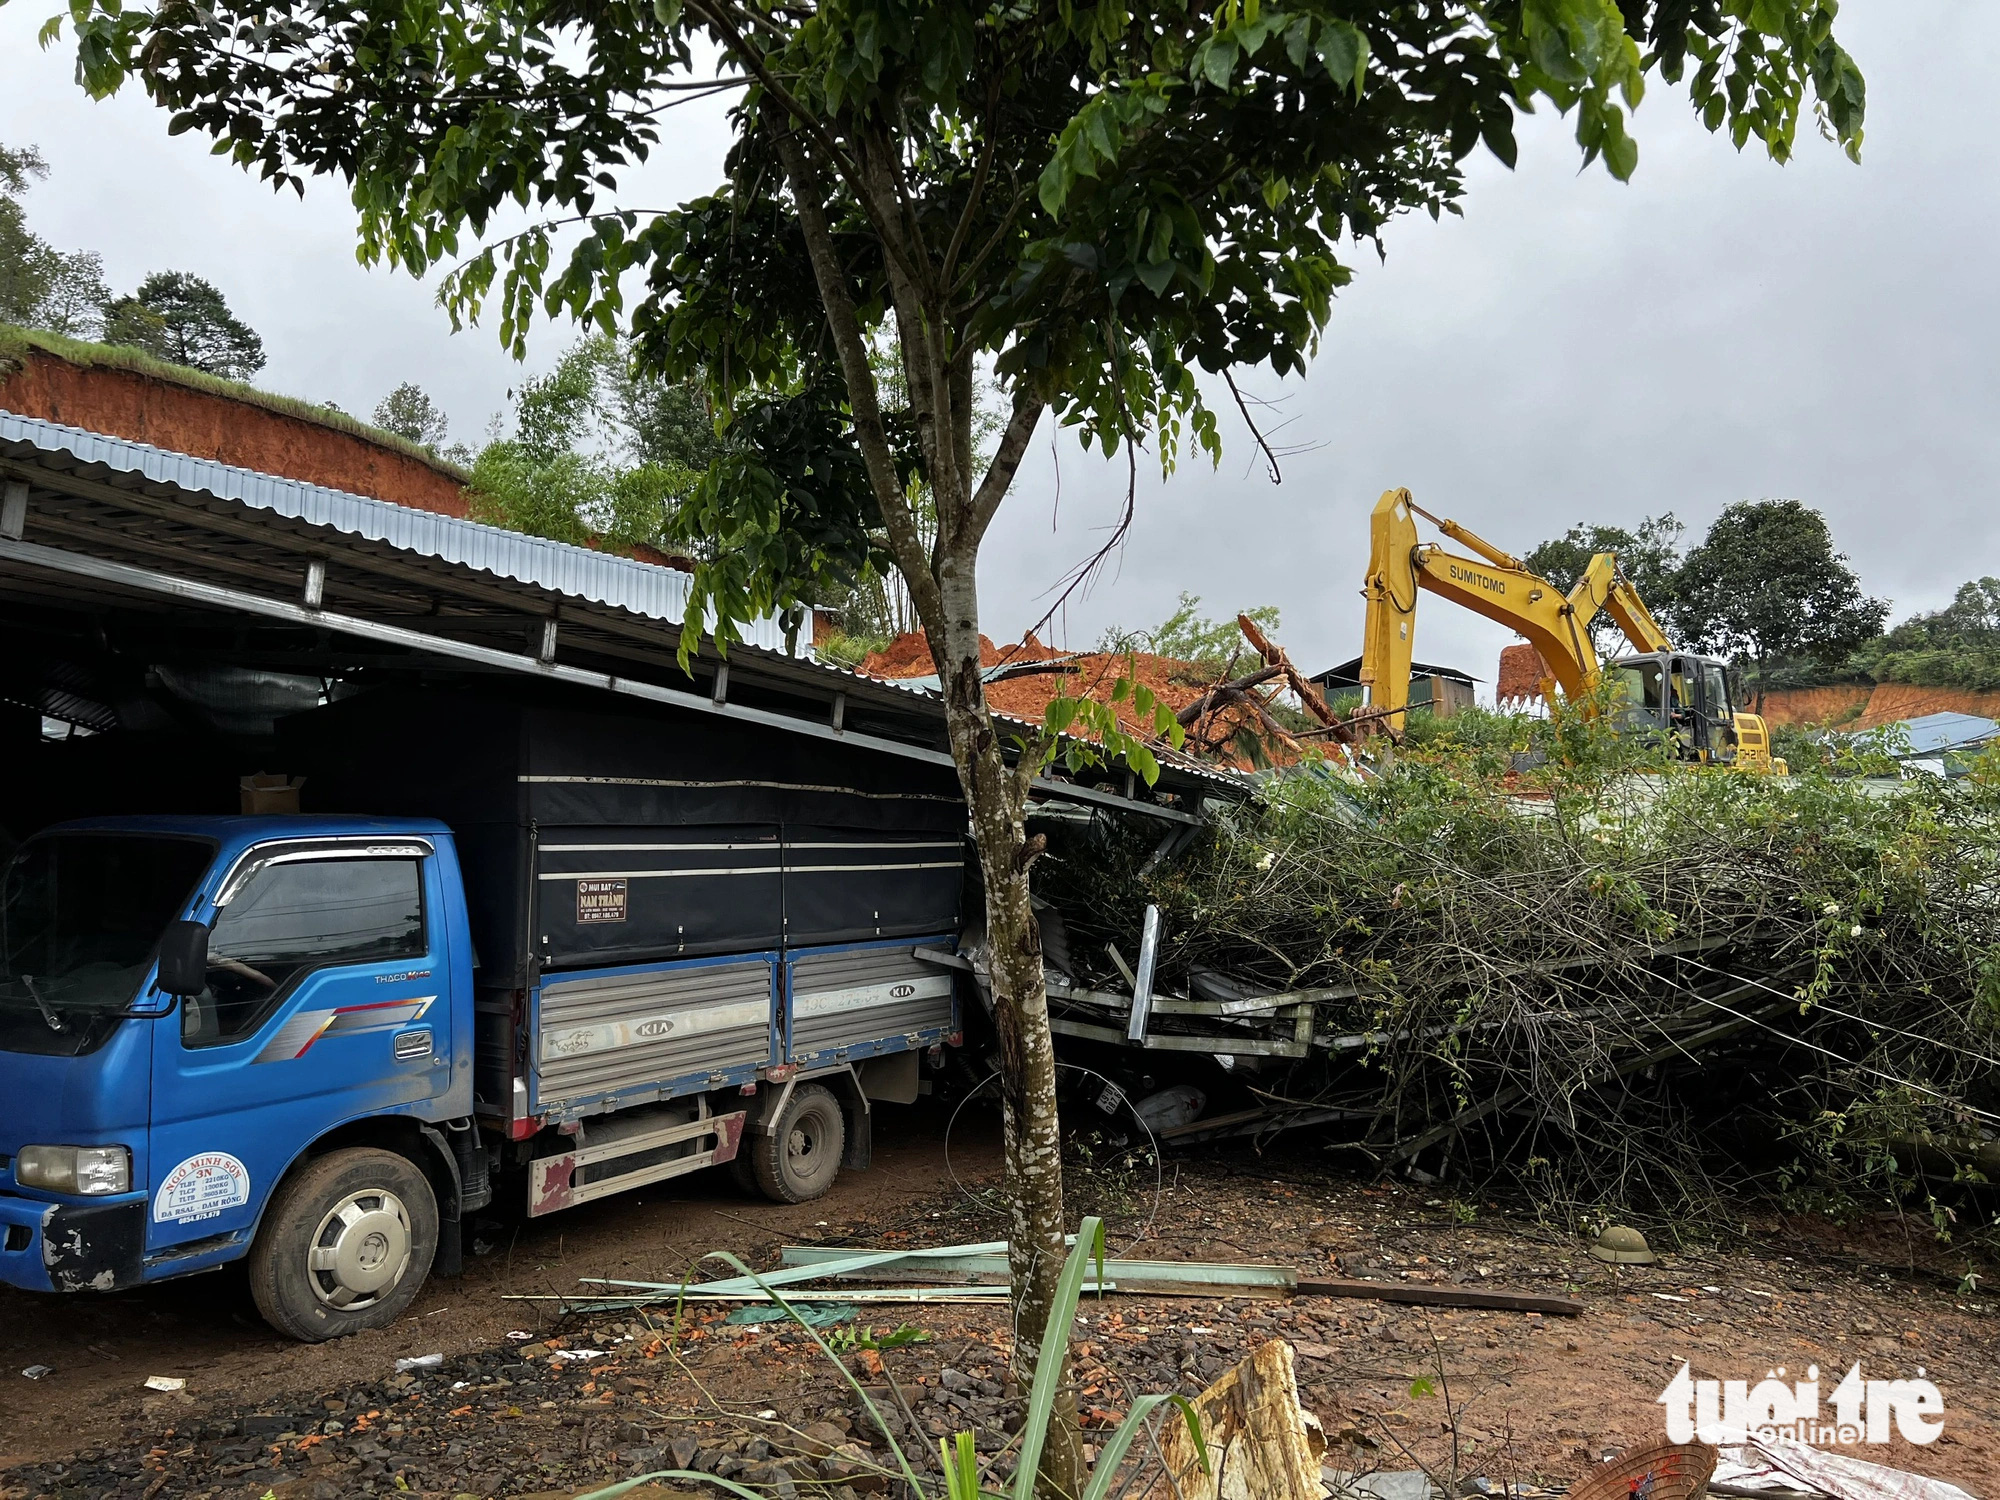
(1477, 579)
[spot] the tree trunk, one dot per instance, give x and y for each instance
(942, 578)
(1030, 1129)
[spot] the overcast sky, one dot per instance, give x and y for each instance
(1572, 349)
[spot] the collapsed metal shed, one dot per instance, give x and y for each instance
(144, 590)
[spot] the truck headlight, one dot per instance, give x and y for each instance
(89, 1171)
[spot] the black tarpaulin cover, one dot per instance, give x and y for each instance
(598, 836)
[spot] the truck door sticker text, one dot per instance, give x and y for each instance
(201, 1188)
(600, 900)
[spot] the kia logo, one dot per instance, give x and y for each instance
(659, 1026)
(902, 991)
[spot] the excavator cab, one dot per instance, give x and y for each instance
(1677, 696)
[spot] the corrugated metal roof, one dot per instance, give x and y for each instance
(644, 589)
(1929, 734)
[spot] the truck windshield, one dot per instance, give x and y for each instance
(80, 916)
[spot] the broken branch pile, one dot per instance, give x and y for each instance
(1628, 985)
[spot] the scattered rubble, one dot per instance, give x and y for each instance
(1542, 1397)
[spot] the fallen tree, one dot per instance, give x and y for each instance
(1629, 986)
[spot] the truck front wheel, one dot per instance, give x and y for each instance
(344, 1245)
(800, 1158)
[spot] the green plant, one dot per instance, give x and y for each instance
(843, 649)
(1527, 951)
(854, 1337)
(1186, 635)
(1957, 646)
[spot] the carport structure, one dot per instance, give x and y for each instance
(119, 561)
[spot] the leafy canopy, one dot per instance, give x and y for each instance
(1188, 635)
(409, 412)
(1766, 583)
(40, 286)
(1093, 200)
(1957, 646)
(597, 452)
(185, 320)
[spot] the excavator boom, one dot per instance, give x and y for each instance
(1603, 586)
(1495, 585)
(1683, 695)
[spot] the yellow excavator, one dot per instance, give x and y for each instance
(1676, 695)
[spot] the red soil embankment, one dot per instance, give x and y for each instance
(1884, 703)
(143, 408)
(1819, 705)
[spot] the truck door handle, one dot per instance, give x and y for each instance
(411, 1045)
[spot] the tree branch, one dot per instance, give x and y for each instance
(1242, 406)
(844, 323)
(999, 476)
(807, 121)
(975, 193)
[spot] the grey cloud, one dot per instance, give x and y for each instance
(1719, 329)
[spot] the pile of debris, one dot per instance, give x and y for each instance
(1257, 710)
(1640, 992)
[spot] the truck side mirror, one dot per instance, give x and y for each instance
(184, 959)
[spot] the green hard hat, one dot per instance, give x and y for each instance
(1622, 1245)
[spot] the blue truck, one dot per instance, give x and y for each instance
(516, 953)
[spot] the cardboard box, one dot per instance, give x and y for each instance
(265, 794)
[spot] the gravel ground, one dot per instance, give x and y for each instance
(574, 1404)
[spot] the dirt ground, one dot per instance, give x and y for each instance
(1527, 1397)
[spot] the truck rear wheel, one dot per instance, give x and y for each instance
(742, 1169)
(344, 1245)
(800, 1158)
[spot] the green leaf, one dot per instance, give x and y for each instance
(1218, 60)
(1112, 1454)
(1344, 51)
(1621, 153)
(1156, 275)
(961, 1467)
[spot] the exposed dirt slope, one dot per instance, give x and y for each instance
(1092, 674)
(124, 395)
(1884, 703)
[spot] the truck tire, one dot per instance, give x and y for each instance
(743, 1170)
(344, 1245)
(800, 1158)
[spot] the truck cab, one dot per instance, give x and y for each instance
(192, 1007)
